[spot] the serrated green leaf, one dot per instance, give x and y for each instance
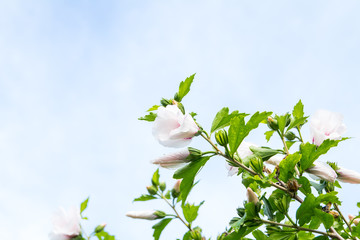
(239, 130)
(188, 173)
(155, 178)
(223, 118)
(103, 235)
(259, 235)
(159, 227)
(144, 197)
(298, 111)
(150, 117)
(305, 185)
(297, 122)
(309, 152)
(268, 135)
(289, 144)
(287, 166)
(326, 218)
(184, 87)
(306, 209)
(282, 121)
(153, 108)
(190, 211)
(328, 197)
(83, 205)
(264, 152)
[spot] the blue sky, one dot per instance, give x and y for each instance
(75, 75)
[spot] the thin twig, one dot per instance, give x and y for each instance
(177, 214)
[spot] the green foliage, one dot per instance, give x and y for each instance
(104, 236)
(239, 130)
(144, 197)
(259, 235)
(184, 88)
(153, 108)
(269, 134)
(287, 166)
(268, 210)
(155, 178)
(310, 152)
(283, 121)
(305, 185)
(223, 118)
(159, 227)
(264, 152)
(190, 211)
(149, 117)
(298, 111)
(83, 205)
(188, 173)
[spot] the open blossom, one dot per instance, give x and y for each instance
(323, 171)
(348, 176)
(251, 196)
(173, 160)
(243, 151)
(355, 221)
(172, 128)
(66, 224)
(148, 215)
(326, 125)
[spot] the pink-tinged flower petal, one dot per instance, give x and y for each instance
(177, 186)
(149, 214)
(326, 125)
(173, 160)
(348, 176)
(323, 171)
(243, 151)
(66, 224)
(355, 221)
(275, 160)
(172, 128)
(251, 196)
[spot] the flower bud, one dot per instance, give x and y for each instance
(251, 196)
(221, 138)
(148, 215)
(282, 204)
(180, 106)
(173, 160)
(194, 153)
(322, 171)
(272, 123)
(257, 164)
(100, 228)
(290, 135)
(348, 176)
(152, 190)
(175, 192)
(355, 221)
(162, 186)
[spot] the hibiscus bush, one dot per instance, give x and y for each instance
(274, 178)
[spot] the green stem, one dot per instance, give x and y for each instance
(177, 214)
(298, 228)
(289, 218)
(301, 139)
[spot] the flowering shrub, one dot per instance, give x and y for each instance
(274, 178)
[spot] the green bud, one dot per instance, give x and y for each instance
(221, 138)
(165, 102)
(290, 136)
(159, 214)
(100, 228)
(288, 121)
(196, 235)
(272, 123)
(194, 154)
(257, 164)
(162, 186)
(152, 190)
(282, 204)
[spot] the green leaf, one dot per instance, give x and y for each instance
(268, 211)
(159, 227)
(297, 122)
(103, 235)
(259, 235)
(326, 218)
(144, 197)
(153, 108)
(238, 130)
(305, 185)
(188, 173)
(155, 178)
(287, 166)
(83, 205)
(223, 118)
(190, 211)
(264, 152)
(150, 117)
(306, 209)
(298, 111)
(318, 186)
(328, 197)
(269, 134)
(321, 237)
(289, 144)
(282, 121)
(309, 152)
(184, 88)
